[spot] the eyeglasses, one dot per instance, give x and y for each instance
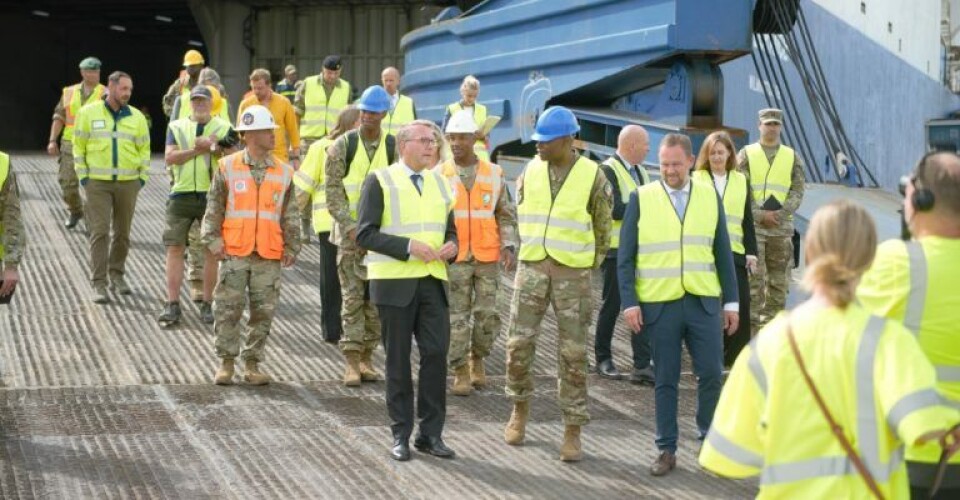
(425, 141)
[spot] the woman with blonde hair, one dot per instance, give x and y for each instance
(716, 165)
(823, 399)
(311, 192)
(469, 91)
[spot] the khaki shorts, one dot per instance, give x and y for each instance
(182, 211)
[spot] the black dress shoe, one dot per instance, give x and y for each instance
(642, 376)
(433, 446)
(73, 220)
(401, 450)
(606, 369)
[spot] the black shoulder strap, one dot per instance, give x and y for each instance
(353, 140)
(391, 149)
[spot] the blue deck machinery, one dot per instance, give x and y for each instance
(613, 62)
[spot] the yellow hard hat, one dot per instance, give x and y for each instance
(192, 57)
(216, 100)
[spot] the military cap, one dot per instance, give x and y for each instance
(771, 115)
(332, 62)
(90, 63)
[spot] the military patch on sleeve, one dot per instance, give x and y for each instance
(608, 190)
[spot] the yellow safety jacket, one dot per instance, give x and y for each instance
(626, 185)
(915, 283)
(413, 215)
(194, 175)
(875, 381)
(361, 165)
(401, 114)
(109, 146)
(561, 228)
(321, 110)
(310, 178)
(479, 116)
(72, 102)
(4, 172)
(734, 198)
(770, 180)
(675, 256)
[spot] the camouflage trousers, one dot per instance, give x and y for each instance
(538, 284)
(243, 278)
(473, 293)
(361, 321)
(67, 177)
(195, 253)
(770, 284)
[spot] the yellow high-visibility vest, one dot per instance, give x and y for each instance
(111, 149)
(360, 166)
(321, 110)
(408, 213)
(734, 203)
(561, 228)
(72, 102)
(401, 114)
(770, 180)
(4, 172)
(675, 256)
(479, 117)
(311, 179)
(913, 283)
(626, 185)
(194, 175)
(875, 381)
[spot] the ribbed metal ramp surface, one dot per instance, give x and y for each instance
(99, 402)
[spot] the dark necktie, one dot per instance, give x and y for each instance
(416, 178)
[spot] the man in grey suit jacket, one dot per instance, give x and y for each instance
(695, 317)
(411, 306)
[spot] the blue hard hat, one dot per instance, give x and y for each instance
(375, 100)
(555, 123)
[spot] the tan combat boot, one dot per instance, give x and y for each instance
(224, 375)
(461, 382)
(351, 377)
(478, 376)
(252, 375)
(570, 451)
(517, 426)
(367, 373)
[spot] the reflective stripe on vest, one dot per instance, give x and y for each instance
(626, 185)
(253, 213)
(474, 212)
(72, 102)
(675, 257)
(408, 213)
(194, 175)
(4, 172)
(400, 115)
(320, 110)
(311, 179)
(734, 198)
(562, 227)
(770, 180)
(479, 117)
(360, 166)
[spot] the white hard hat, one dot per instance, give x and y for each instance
(256, 117)
(461, 123)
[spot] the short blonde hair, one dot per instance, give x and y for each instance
(470, 82)
(260, 74)
(839, 247)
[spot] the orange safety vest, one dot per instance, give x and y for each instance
(72, 103)
(252, 219)
(477, 230)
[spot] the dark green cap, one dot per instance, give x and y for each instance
(90, 63)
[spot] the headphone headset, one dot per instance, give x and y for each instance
(922, 199)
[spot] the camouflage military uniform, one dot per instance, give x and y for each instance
(361, 322)
(770, 284)
(14, 237)
(243, 277)
(67, 175)
(173, 92)
(569, 290)
(473, 287)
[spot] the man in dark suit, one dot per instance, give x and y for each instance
(674, 265)
(406, 223)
